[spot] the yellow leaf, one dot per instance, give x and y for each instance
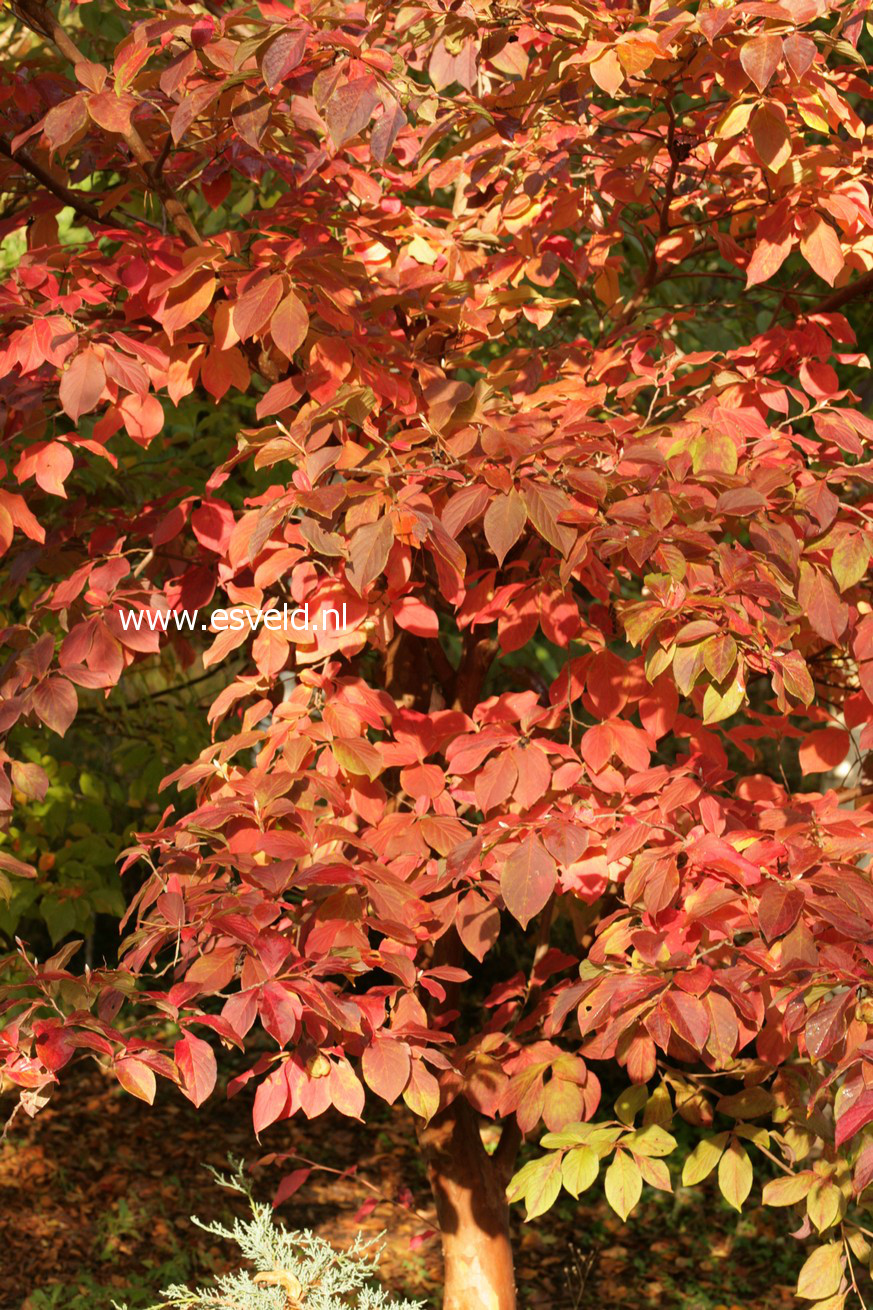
(624, 1184)
(735, 1175)
(607, 72)
(735, 121)
(822, 1274)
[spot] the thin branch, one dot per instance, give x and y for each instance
(862, 286)
(37, 17)
(75, 199)
(650, 276)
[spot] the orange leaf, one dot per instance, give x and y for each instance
(760, 58)
(82, 384)
(504, 521)
(824, 749)
(770, 135)
(111, 112)
(527, 880)
(289, 324)
(820, 247)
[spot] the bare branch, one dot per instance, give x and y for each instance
(75, 199)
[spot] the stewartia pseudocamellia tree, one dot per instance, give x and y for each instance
(527, 332)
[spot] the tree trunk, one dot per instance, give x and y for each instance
(473, 1215)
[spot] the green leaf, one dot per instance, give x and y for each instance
(580, 1168)
(659, 1107)
(750, 1103)
(850, 560)
(720, 703)
(537, 1184)
(59, 916)
(703, 1159)
(653, 1141)
(631, 1101)
(624, 1184)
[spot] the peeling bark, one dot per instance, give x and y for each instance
(473, 1215)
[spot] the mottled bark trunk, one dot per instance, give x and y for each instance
(469, 1189)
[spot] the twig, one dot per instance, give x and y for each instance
(67, 195)
(38, 18)
(862, 286)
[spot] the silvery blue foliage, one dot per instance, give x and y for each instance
(290, 1270)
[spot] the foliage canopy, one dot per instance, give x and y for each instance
(526, 336)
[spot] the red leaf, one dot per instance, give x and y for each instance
(369, 549)
(386, 1066)
(136, 1078)
(478, 924)
(853, 1119)
(222, 369)
(527, 880)
(282, 56)
(55, 702)
(18, 867)
(824, 749)
(143, 417)
(767, 259)
(250, 116)
(195, 1061)
(414, 616)
(770, 135)
(349, 109)
(778, 909)
(346, 1090)
(386, 130)
(820, 247)
(799, 53)
(688, 1017)
(53, 466)
(65, 120)
(820, 603)
(213, 524)
(289, 324)
(187, 302)
(111, 112)
(826, 1027)
(82, 384)
(271, 1098)
(255, 307)
(290, 1184)
(504, 520)
(760, 58)
(279, 1011)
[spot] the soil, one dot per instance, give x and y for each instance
(97, 1191)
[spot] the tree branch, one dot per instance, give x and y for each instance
(862, 286)
(650, 276)
(75, 199)
(37, 17)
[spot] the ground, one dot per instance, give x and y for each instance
(96, 1195)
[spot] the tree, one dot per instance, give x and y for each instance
(540, 327)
